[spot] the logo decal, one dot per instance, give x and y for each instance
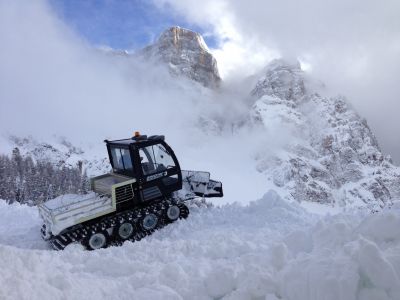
(155, 176)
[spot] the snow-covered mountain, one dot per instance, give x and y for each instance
(186, 54)
(183, 52)
(332, 156)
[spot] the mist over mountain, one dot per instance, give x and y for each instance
(333, 156)
(309, 146)
(330, 154)
(352, 46)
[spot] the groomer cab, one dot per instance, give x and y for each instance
(148, 160)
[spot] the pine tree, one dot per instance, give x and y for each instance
(26, 181)
(84, 183)
(17, 174)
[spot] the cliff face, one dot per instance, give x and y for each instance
(186, 54)
(333, 157)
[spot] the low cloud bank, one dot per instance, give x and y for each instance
(351, 46)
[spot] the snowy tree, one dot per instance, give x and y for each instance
(26, 181)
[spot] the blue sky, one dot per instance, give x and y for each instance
(120, 24)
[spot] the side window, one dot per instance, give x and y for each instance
(126, 159)
(121, 159)
(117, 158)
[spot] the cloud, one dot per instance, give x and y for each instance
(353, 46)
(53, 82)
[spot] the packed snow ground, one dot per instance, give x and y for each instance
(270, 249)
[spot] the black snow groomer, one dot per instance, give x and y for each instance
(145, 191)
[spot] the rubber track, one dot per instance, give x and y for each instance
(78, 233)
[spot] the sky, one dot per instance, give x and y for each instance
(121, 24)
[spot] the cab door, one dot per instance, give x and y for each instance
(160, 171)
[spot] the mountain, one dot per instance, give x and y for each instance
(186, 54)
(327, 153)
(332, 155)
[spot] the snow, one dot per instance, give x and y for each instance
(269, 249)
(68, 200)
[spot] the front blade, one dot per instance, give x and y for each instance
(199, 183)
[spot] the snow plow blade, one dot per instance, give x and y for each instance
(199, 183)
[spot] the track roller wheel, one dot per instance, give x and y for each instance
(173, 213)
(97, 240)
(149, 222)
(125, 230)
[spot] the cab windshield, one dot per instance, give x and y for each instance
(155, 159)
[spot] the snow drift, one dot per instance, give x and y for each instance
(270, 249)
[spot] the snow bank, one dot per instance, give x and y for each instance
(20, 226)
(352, 257)
(270, 249)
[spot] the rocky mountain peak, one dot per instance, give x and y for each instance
(178, 37)
(185, 53)
(282, 79)
(332, 155)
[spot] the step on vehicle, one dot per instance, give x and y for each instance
(145, 191)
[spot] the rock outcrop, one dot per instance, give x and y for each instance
(332, 156)
(186, 54)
